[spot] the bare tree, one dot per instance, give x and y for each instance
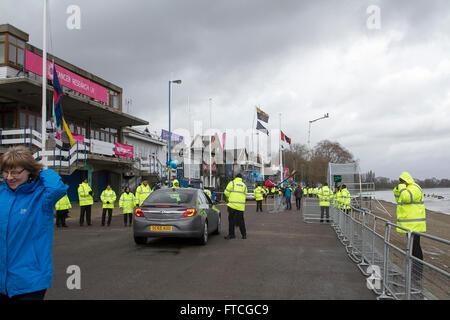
(322, 154)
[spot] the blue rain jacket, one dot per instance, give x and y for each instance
(26, 233)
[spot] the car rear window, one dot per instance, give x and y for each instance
(166, 196)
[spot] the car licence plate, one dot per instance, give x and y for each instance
(160, 228)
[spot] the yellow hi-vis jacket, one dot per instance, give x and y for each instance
(236, 192)
(208, 192)
(83, 195)
(410, 206)
(175, 183)
(336, 199)
(142, 192)
(259, 193)
(324, 194)
(108, 195)
(127, 202)
(63, 204)
(345, 199)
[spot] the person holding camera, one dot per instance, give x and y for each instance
(86, 201)
(108, 198)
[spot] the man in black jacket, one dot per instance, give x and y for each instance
(298, 196)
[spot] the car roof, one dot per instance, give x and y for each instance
(183, 190)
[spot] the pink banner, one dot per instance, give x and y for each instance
(76, 137)
(68, 79)
(124, 150)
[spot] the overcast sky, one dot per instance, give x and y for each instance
(385, 85)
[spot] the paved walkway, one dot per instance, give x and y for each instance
(283, 258)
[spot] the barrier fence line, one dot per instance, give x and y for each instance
(391, 269)
(273, 202)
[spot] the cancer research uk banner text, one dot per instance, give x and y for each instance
(68, 79)
(124, 150)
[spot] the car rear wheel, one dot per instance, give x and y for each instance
(140, 240)
(204, 238)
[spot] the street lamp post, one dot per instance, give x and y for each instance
(309, 131)
(170, 126)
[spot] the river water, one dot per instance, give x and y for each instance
(431, 201)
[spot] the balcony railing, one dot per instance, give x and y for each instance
(66, 161)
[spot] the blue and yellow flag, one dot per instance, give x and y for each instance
(262, 115)
(57, 107)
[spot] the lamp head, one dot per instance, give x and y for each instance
(176, 81)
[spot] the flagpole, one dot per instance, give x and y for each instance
(257, 148)
(281, 152)
(189, 146)
(253, 133)
(44, 85)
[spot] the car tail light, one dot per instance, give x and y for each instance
(189, 212)
(138, 212)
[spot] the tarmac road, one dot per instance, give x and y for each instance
(282, 259)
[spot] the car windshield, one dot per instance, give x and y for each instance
(169, 196)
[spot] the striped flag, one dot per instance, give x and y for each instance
(57, 107)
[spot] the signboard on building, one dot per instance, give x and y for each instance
(102, 147)
(123, 150)
(206, 167)
(68, 79)
(78, 138)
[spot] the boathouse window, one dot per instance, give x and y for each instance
(2, 48)
(16, 51)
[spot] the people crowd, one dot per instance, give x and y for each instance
(127, 201)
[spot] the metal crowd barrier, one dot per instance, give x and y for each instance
(276, 203)
(273, 202)
(386, 259)
(311, 210)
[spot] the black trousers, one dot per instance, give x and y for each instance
(298, 203)
(37, 295)
(236, 217)
(417, 267)
(85, 210)
(61, 217)
(109, 211)
(258, 205)
(128, 216)
(324, 210)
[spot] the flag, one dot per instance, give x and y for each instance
(224, 136)
(288, 140)
(260, 127)
(57, 107)
(262, 115)
(285, 137)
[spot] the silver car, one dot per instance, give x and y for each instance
(250, 194)
(184, 213)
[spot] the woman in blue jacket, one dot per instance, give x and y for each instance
(27, 196)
